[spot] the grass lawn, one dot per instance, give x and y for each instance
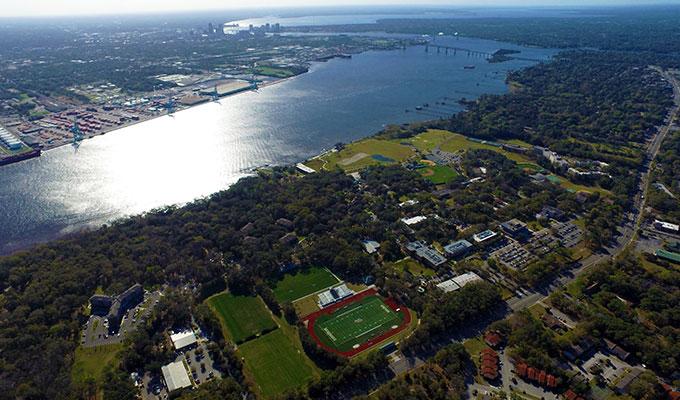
(459, 142)
(537, 310)
(306, 306)
(518, 142)
(90, 362)
(531, 167)
(427, 141)
(474, 347)
(356, 323)
(242, 316)
(506, 294)
(275, 72)
(363, 153)
(413, 266)
(567, 184)
(275, 363)
(303, 283)
(438, 174)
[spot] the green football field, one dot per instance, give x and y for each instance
(293, 287)
(275, 363)
(356, 323)
(241, 316)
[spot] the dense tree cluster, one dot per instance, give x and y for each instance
(632, 305)
(640, 29)
(587, 104)
(442, 377)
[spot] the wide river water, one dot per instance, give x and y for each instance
(196, 152)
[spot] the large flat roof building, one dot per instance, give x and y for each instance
(458, 282)
(175, 376)
(666, 226)
(9, 140)
(457, 248)
(184, 339)
(484, 236)
(426, 253)
(516, 228)
(466, 278)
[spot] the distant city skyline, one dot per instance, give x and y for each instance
(35, 8)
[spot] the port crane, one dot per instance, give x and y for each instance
(77, 133)
(170, 106)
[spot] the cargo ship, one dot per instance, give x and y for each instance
(20, 157)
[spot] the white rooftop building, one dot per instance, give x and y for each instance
(408, 203)
(666, 226)
(413, 220)
(448, 286)
(466, 278)
(334, 295)
(9, 140)
(371, 246)
(458, 282)
(175, 376)
(183, 339)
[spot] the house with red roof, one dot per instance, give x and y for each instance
(489, 364)
(493, 339)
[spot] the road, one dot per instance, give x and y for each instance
(628, 228)
(633, 220)
(653, 149)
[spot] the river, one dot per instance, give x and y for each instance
(196, 152)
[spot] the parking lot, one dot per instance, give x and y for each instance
(96, 331)
(199, 367)
(569, 234)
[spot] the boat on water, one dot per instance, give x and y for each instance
(469, 67)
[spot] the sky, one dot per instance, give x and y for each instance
(14, 8)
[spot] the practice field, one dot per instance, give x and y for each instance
(354, 324)
(275, 363)
(293, 287)
(242, 317)
(438, 174)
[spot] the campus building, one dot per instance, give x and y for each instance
(125, 301)
(458, 248)
(175, 376)
(516, 229)
(425, 253)
(484, 237)
(183, 340)
(458, 282)
(100, 304)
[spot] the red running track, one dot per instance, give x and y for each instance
(311, 321)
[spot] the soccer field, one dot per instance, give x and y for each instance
(293, 287)
(243, 317)
(350, 326)
(276, 364)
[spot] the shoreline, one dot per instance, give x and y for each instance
(35, 153)
(245, 172)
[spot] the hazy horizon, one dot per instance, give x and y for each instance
(45, 8)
